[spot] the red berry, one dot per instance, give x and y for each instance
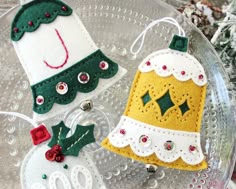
(59, 158)
(57, 148)
(50, 155)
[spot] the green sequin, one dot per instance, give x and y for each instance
(35, 12)
(65, 166)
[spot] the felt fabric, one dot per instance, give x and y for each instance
(55, 55)
(33, 14)
(165, 109)
(82, 136)
(89, 65)
(35, 165)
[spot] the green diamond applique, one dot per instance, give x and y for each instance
(184, 107)
(165, 102)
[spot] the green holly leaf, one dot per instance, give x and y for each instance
(59, 132)
(82, 136)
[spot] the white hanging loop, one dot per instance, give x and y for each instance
(144, 32)
(22, 116)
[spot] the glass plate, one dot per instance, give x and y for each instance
(114, 25)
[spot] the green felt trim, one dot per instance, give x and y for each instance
(35, 11)
(90, 64)
(146, 98)
(165, 103)
(184, 107)
(59, 132)
(82, 136)
(179, 43)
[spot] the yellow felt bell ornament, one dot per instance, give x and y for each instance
(162, 120)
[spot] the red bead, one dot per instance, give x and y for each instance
(30, 23)
(164, 67)
(144, 139)
(61, 87)
(57, 148)
(50, 155)
(47, 15)
(59, 158)
(192, 148)
(83, 77)
(64, 8)
(183, 72)
(102, 65)
(200, 76)
(122, 131)
(16, 30)
(148, 63)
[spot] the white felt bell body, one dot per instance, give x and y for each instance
(80, 174)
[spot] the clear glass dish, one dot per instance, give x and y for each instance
(114, 25)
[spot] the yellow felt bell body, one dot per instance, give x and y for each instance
(162, 120)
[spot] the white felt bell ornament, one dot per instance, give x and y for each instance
(162, 120)
(63, 64)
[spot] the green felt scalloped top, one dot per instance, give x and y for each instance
(90, 65)
(35, 13)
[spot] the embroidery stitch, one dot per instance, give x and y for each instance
(66, 51)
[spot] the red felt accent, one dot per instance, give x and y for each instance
(39, 134)
(66, 50)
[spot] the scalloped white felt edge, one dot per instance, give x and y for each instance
(102, 85)
(175, 63)
(35, 165)
(158, 137)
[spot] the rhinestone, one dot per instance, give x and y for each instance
(47, 15)
(145, 140)
(200, 76)
(192, 149)
(39, 100)
(62, 88)
(83, 77)
(64, 8)
(148, 63)
(104, 65)
(183, 73)
(30, 23)
(122, 131)
(16, 30)
(164, 67)
(169, 145)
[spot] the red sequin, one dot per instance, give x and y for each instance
(40, 134)
(50, 155)
(40, 100)
(57, 148)
(60, 158)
